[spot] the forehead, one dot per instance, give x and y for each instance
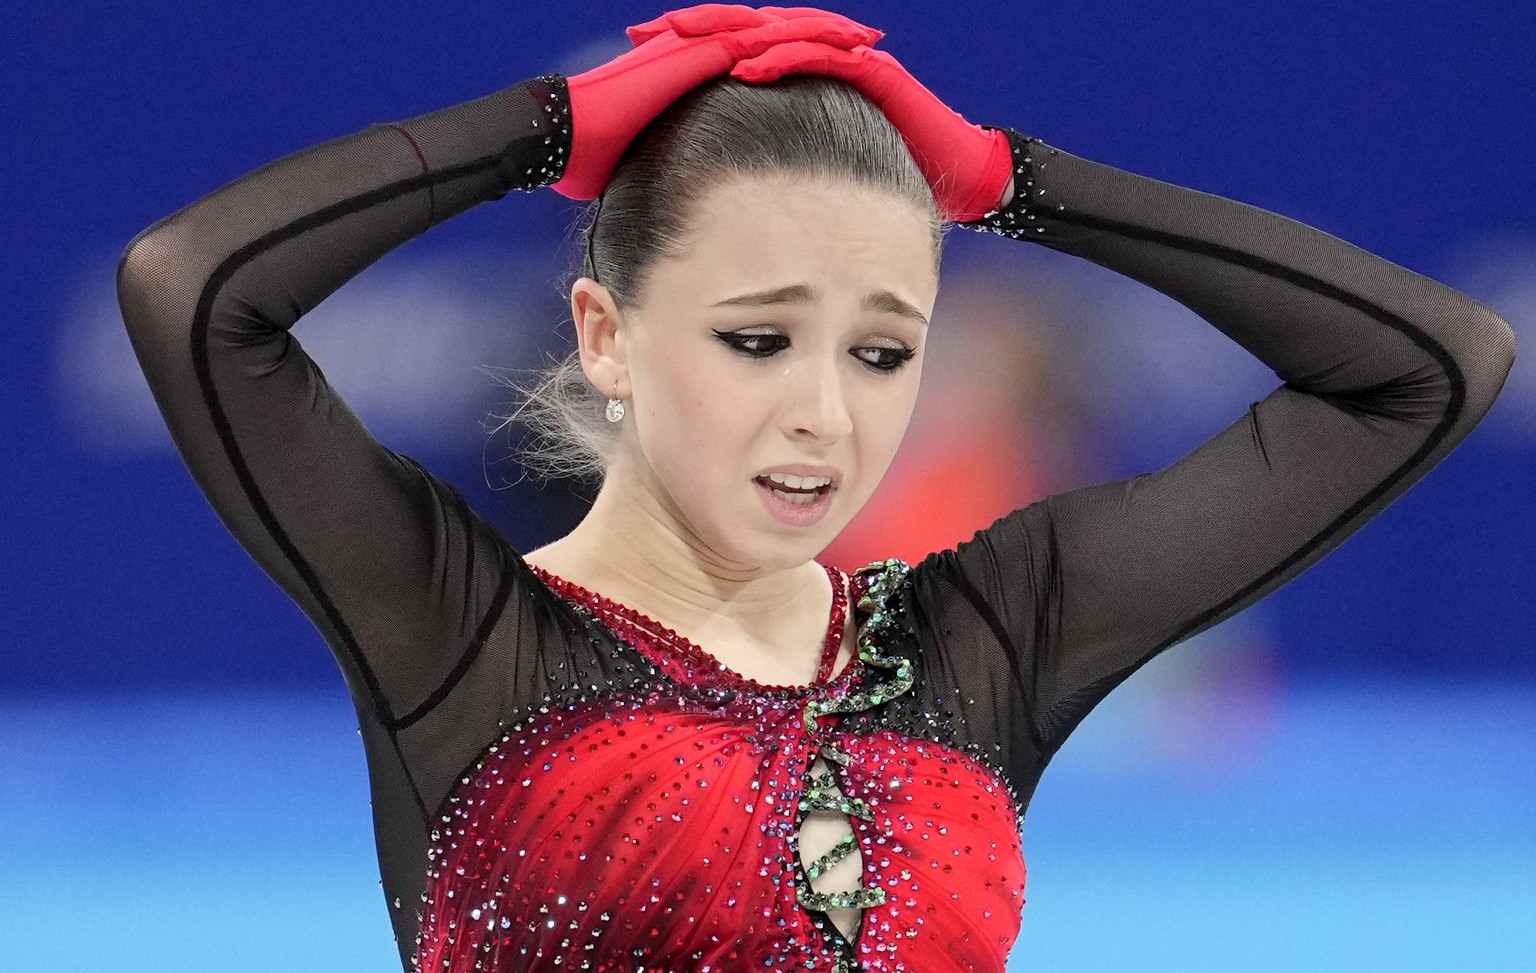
(764, 232)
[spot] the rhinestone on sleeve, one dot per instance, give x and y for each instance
(1021, 219)
(555, 127)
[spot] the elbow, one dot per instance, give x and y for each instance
(1484, 351)
(160, 275)
(1468, 353)
(137, 267)
(1507, 347)
(1494, 338)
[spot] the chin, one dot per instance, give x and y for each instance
(767, 555)
(775, 552)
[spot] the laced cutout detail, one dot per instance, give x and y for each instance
(823, 842)
(844, 908)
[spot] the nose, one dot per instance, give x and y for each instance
(818, 405)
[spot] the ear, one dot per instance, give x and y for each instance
(600, 337)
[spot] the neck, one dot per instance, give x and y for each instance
(634, 548)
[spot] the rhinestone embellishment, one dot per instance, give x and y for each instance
(879, 581)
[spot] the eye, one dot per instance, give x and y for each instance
(884, 359)
(754, 345)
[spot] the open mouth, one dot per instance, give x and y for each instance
(795, 489)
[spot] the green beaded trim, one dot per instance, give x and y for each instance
(859, 898)
(839, 851)
(821, 795)
(888, 577)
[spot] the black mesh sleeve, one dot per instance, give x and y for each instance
(387, 560)
(1384, 372)
(428, 612)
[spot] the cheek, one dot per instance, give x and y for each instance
(881, 422)
(693, 424)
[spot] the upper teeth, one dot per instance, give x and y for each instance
(800, 482)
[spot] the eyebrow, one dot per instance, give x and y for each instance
(881, 301)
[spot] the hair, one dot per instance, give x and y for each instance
(800, 125)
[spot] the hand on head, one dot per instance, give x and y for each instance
(716, 18)
(967, 166)
(674, 54)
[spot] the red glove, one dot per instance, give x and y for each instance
(967, 166)
(711, 18)
(674, 54)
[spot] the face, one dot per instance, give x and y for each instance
(773, 368)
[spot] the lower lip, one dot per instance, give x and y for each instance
(795, 514)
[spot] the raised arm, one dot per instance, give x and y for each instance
(387, 561)
(399, 575)
(1384, 373)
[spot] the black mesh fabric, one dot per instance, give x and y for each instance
(445, 636)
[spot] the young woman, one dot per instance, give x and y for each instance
(671, 740)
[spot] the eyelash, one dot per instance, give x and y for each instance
(895, 357)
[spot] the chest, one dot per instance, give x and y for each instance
(686, 830)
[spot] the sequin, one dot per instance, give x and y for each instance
(1020, 218)
(658, 827)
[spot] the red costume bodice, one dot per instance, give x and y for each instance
(662, 827)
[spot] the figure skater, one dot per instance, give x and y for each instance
(672, 740)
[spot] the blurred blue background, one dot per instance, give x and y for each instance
(1342, 778)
